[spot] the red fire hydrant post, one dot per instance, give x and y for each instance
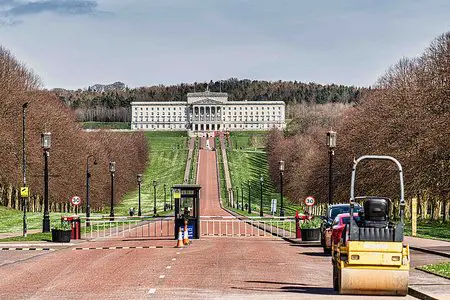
(297, 225)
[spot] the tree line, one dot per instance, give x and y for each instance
(70, 145)
(109, 106)
(406, 115)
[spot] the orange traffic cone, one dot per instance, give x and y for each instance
(186, 236)
(180, 239)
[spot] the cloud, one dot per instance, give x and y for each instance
(10, 10)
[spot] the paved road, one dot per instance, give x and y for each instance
(140, 268)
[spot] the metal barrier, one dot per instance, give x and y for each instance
(129, 227)
(231, 226)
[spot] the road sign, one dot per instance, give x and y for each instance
(177, 193)
(273, 206)
(75, 200)
(24, 192)
(310, 201)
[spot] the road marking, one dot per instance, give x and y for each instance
(26, 249)
(115, 248)
(162, 276)
(174, 259)
(178, 252)
(152, 291)
(168, 267)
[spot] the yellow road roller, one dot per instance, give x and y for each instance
(371, 257)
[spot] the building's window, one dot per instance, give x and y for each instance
(141, 113)
(141, 108)
(146, 108)
(152, 108)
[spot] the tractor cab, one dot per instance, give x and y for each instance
(375, 222)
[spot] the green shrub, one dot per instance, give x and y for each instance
(64, 225)
(311, 224)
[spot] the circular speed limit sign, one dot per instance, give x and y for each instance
(310, 201)
(75, 200)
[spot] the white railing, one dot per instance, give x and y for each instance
(231, 226)
(129, 227)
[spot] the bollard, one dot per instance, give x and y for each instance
(297, 226)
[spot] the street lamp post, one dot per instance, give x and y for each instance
(331, 143)
(46, 143)
(139, 180)
(242, 196)
(88, 181)
(155, 183)
(249, 203)
(281, 168)
(165, 193)
(24, 168)
(171, 199)
(261, 180)
(112, 171)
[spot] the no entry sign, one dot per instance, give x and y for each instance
(75, 200)
(310, 201)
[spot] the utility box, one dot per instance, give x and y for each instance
(187, 209)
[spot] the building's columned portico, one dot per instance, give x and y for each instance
(208, 111)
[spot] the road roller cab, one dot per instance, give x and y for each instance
(371, 257)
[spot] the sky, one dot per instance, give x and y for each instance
(77, 43)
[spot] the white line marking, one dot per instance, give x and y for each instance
(152, 291)
(178, 252)
(168, 267)
(174, 259)
(162, 276)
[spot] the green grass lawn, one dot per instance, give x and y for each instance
(442, 269)
(168, 155)
(106, 125)
(431, 230)
(247, 167)
(11, 220)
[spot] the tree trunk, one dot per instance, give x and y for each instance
(423, 205)
(437, 207)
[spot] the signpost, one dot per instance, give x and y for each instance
(310, 201)
(24, 192)
(273, 206)
(76, 201)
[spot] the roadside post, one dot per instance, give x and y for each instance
(298, 232)
(414, 216)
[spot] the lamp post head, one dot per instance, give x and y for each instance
(46, 140)
(112, 167)
(331, 139)
(139, 178)
(164, 186)
(281, 165)
(261, 179)
(155, 183)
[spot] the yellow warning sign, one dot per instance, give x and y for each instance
(24, 192)
(177, 193)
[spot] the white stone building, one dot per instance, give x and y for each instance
(206, 112)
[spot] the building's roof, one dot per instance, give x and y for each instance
(206, 94)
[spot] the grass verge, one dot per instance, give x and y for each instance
(442, 269)
(167, 161)
(248, 163)
(431, 230)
